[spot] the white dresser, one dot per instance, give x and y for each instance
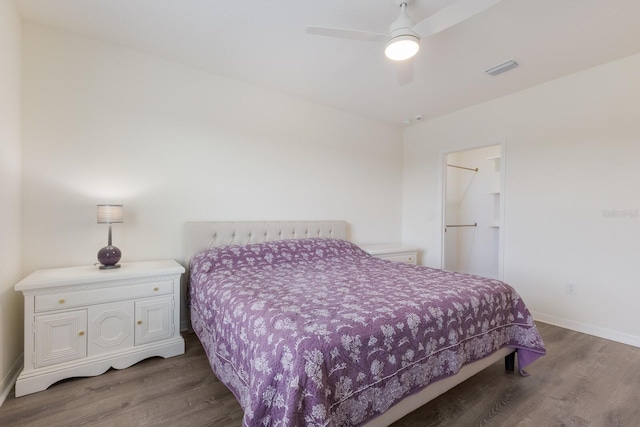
(393, 252)
(81, 321)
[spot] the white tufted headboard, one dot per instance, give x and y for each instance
(202, 235)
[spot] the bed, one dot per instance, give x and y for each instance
(305, 328)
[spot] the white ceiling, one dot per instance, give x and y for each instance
(263, 43)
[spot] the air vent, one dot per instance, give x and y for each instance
(501, 68)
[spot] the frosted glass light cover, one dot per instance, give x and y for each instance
(402, 47)
(110, 214)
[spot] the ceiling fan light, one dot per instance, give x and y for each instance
(402, 47)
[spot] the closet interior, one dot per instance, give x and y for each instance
(473, 211)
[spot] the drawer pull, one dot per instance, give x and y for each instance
(61, 301)
(156, 289)
(139, 322)
(81, 333)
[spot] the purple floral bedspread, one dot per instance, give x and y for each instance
(316, 332)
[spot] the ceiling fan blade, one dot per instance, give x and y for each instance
(404, 70)
(348, 34)
(452, 15)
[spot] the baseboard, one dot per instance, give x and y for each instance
(185, 326)
(10, 379)
(586, 328)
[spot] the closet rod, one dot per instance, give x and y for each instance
(475, 224)
(462, 167)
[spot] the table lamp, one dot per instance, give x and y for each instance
(109, 255)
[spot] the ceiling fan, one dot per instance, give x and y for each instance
(403, 39)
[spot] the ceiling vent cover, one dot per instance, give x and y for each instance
(501, 68)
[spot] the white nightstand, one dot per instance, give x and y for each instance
(81, 321)
(393, 252)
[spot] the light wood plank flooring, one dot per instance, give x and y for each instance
(583, 381)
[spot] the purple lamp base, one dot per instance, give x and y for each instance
(109, 257)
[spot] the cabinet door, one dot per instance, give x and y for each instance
(154, 319)
(60, 337)
(110, 327)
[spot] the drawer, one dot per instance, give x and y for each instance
(82, 298)
(407, 257)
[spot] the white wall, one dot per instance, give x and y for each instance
(572, 153)
(104, 124)
(10, 187)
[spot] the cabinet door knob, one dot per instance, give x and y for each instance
(156, 289)
(139, 322)
(81, 333)
(61, 301)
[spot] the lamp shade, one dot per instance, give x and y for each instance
(110, 214)
(402, 47)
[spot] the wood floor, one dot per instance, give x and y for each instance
(583, 381)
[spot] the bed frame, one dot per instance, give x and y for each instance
(203, 235)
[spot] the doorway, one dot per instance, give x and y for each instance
(473, 211)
